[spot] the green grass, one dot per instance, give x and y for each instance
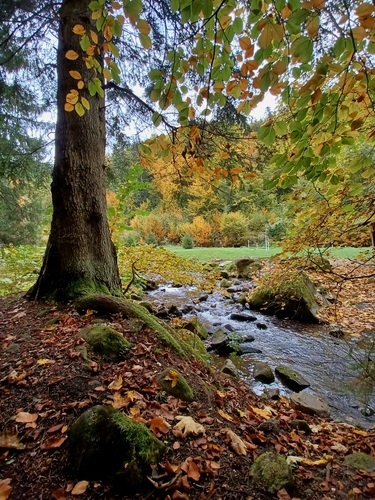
(206, 254)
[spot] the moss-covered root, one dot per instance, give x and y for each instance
(105, 444)
(175, 384)
(105, 304)
(272, 471)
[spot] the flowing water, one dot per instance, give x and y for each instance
(329, 364)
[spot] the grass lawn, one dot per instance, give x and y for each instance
(206, 254)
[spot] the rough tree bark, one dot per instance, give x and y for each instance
(80, 257)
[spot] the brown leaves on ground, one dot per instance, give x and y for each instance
(212, 443)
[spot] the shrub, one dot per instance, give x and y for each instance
(151, 239)
(187, 242)
(235, 230)
(130, 240)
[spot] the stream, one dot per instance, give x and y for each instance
(327, 363)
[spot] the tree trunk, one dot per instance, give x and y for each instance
(80, 257)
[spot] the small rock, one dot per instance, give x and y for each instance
(174, 311)
(261, 326)
(219, 341)
(247, 337)
(175, 384)
(272, 393)
(228, 327)
(301, 425)
(186, 309)
(230, 368)
(368, 411)
(337, 333)
(309, 404)
(263, 372)
(360, 461)
(245, 349)
(162, 313)
(224, 274)
(272, 471)
(203, 297)
(242, 317)
(270, 426)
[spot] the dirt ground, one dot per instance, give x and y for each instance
(45, 384)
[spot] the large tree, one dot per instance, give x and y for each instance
(316, 55)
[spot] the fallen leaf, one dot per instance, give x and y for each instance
(10, 441)
(55, 428)
(340, 448)
(26, 418)
(58, 494)
(52, 442)
(224, 415)
(321, 461)
(5, 488)
(173, 377)
(133, 395)
(193, 471)
(15, 377)
(80, 488)
(283, 495)
(359, 432)
(188, 425)
(116, 384)
(265, 413)
(236, 442)
(45, 361)
(292, 459)
(159, 424)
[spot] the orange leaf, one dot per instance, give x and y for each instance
(245, 43)
(10, 440)
(68, 107)
(159, 424)
(5, 488)
(78, 29)
(94, 37)
(76, 75)
(52, 442)
(224, 415)
(80, 488)
(26, 418)
(71, 55)
(193, 471)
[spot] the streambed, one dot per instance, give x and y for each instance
(329, 364)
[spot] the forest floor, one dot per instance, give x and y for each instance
(45, 384)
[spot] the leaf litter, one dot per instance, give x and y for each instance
(205, 458)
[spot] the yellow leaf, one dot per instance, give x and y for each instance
(78, 29)
(224, 415)
(143, 27)
(68, 107)
(76, 75)
(173, 376)
(263, 413)
(80, 488)
(365, 10)
(85, 103)
(360, 433)
(321, 461)
(80, 84)
(94, 37)
(71, 55)
(79, 109)
(116, 384)
(10, 441)
(107, 74)
(43, 361)
(97, 14)
(359, 33)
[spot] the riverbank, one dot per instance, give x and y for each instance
(46, 383)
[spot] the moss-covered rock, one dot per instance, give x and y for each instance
(291, 378)
(106, 444)
(288, 294)
(175, 384)
(247, 266)
(105, 341)
(195, 326)
(272, 471)
(194, 342)
(360, 461)
(263, 372)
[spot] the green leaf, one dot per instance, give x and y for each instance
(267, 134)
(145, 41)
(156, 119)
(114, 49)
(95, 6)
(79, 109)
(155, 74)
(85, 43)
(175, 4)
(302, 48)
(281, 128)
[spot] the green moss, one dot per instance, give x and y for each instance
(196, 326)
(194, 342)
(180, 389)
(272, 471)
(291, 378)
(360, 461)
(105, 341)
(105, 444)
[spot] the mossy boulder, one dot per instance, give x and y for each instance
(360, 461)
(272, 471)
(194, 342)
(106, 444)
(287, 294)
(247, 266)
(291, 378)
(195, 326)
(175, 384)
(105, 341)
(263, 372)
